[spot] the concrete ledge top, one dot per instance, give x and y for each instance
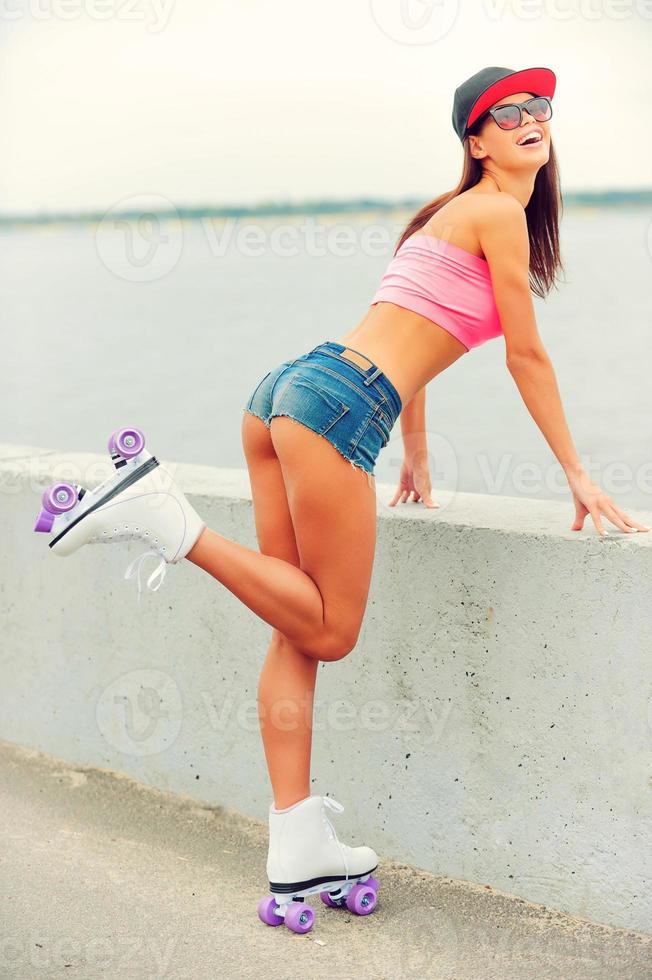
(512, 515)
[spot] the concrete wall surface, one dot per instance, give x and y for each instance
(493, 724)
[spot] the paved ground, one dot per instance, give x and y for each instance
(103, 877)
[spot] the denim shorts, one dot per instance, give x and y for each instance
(353, 407)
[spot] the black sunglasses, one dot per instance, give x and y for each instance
(510, 115)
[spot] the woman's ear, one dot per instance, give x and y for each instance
(475, 148)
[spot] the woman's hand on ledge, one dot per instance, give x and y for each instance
(591, 499)
(414, 479)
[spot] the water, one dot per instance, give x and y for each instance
(88, 349)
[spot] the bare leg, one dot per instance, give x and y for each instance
(285, 705)
(281, 594)
(318, 606)
(287, 681)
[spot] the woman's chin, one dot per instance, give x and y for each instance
(531, 159)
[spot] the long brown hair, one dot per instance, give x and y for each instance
(542, 213)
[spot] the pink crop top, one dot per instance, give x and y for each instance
(446, 284)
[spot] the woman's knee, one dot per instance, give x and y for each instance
(336, 644)
(328, 644)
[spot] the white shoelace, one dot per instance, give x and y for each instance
(338, 808)
(133, 571)
(134, 568)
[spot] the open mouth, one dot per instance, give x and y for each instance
(532, 138)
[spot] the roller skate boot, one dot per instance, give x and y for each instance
(140, 501)
(306, 858)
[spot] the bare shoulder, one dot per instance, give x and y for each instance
(502, 230)
(491, 210)
(469, 220)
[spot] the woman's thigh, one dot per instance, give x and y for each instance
(332, 505)
(312, 509)
(273, 521)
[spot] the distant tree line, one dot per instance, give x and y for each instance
(334, 206)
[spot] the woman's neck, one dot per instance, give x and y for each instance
(519, 186)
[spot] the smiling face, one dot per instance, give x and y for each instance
(506, 147)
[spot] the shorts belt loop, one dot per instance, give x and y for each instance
(372, 377)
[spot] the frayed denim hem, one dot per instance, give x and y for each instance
(370, 476)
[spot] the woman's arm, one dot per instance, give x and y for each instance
(415, 476)
(413, 426)
(504, 240)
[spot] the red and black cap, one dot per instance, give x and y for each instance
(488, 85)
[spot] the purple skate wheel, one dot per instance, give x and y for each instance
(327, 900)
(361, 900)
(44, 521)
(267, 911)
(372, 883)
(299, 917)
(127, 442)
(59, 498)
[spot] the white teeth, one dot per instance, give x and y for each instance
(536, 134)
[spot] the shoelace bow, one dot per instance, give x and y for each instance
(338, 808)
(133, 571)
(134, 568)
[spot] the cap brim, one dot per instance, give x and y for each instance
(539, 81)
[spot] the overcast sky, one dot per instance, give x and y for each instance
(206, 101)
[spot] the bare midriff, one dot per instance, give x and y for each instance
(408, 348)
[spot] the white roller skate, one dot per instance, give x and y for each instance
(140, 501)
(306, 858)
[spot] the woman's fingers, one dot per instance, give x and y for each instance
(413, 496)
(629, 521)
(429, 502)
(399, 496)
(620, 519)
(427, 498)
(395, 497)
(609, 511)
(580, 514)
(595, 514)
(617, 517)
(414, 486)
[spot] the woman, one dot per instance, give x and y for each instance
(312, 430)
